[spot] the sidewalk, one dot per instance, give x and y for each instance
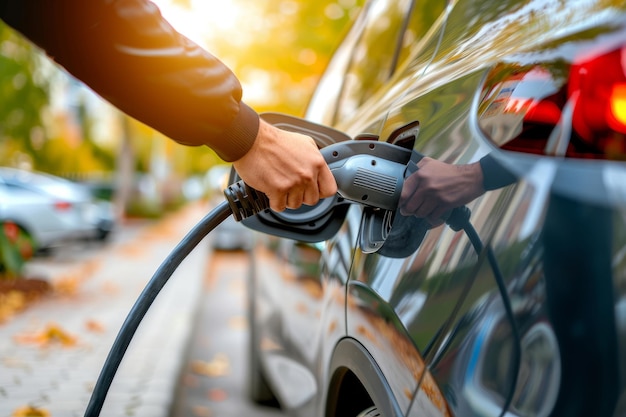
(58, 378)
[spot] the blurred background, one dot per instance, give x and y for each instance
(51, 123)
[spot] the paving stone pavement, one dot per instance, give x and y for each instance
(98, 294)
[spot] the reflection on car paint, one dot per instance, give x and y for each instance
(489, 74)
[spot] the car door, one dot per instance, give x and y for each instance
(391, 307)
(404, 298)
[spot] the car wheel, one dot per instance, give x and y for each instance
(103, 230)
(102, 235)
(369, 412)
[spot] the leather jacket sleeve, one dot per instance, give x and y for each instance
(494, 174)
(126, 52)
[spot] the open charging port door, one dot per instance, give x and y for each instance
(308, 223)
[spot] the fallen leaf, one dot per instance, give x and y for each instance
(52, 334)
(238, 322)
(190, 381)
(217, 394)
(29, 411)
(110, 288)
(67, 285)
(10, 304)
(268, 344)
(201, 411)
(94, 326)
(219, 366)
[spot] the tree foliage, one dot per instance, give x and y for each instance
(24, 92)
(278, 53)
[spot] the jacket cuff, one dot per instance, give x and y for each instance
(239, 136)
(495, 175)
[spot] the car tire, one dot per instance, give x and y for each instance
(369, 412)
(103, 230)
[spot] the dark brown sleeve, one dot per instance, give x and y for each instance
(494, 174)
(126, 52)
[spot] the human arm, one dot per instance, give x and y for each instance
(126, 52)
(438, 187)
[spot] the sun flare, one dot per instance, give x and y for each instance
(205, 22)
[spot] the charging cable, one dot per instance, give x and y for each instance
(459, 220)
(242, 201)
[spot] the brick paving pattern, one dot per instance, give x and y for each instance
(59, 378)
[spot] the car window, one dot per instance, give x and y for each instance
(323, 104)
(365, 60)
(422, 18)
(374, 56)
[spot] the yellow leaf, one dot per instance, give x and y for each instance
(51, 334)
(29, 411)
(219, 366)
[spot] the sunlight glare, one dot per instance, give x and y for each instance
(205, 22)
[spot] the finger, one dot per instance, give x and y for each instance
(294, 199)
(409, 201)
(311, 195)
(434, 221)
(425, 210)
(438, 212)
(326, 183)
(278, 203)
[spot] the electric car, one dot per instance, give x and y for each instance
(516, 307)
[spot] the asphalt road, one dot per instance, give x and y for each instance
(213, 382)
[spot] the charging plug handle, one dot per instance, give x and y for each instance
(244, 201)
(367, 172)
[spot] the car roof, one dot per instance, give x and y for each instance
(43, 183)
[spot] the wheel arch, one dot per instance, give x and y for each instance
(353, 373)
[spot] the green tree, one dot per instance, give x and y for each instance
(283, 48)
(24, 91)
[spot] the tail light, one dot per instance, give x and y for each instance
(617, 113)
(63, 205)
(599, 116)
(574, 107)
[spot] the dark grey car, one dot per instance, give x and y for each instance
(523, 315)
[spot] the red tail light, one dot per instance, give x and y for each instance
(600, 114)
(574, 108)
(617, 113)
(62, 205)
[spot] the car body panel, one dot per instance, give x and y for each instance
(531, 318)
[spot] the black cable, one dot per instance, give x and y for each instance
(474, 238)
(147, 296)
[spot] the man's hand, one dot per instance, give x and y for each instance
(437, 187)
(287, 167)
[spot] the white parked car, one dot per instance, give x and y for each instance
(52, 210)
